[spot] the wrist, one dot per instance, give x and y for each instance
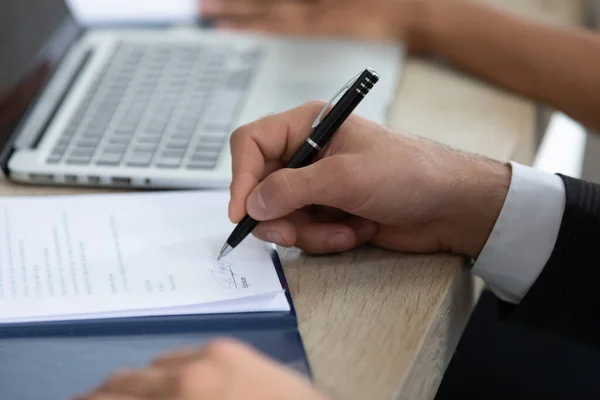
(476, 192)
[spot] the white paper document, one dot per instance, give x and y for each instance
(121, 255)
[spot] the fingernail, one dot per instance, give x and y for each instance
(338, 241)
(274, 237)
(257, 206)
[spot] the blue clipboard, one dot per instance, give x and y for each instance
(71, 357)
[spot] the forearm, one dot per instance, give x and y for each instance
(557, 66)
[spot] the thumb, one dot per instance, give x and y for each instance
(287, 190)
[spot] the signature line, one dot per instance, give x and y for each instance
(232, 276)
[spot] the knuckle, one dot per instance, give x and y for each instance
(315, 105)
(237, 134)
(118, 378)
(221, 349)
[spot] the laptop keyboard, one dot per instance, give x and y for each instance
(155, 105)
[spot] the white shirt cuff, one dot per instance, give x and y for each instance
(524, 234)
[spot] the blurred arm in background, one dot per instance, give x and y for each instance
(102, 12)
(556, 66)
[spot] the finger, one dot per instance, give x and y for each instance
(203, 380)
(282, 231)
(177, 358)
(284, 191)
(364, 229)
(253, 146)
(247, 182)
(219, 9)
(316, 237)
(328, 214)
(148, 382)
(288, 17)
(300, 18)
(192, 354)
(105, 396)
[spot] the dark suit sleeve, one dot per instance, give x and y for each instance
(565, 299)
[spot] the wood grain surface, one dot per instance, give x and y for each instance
(380, 325)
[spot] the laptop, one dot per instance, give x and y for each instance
(154, 106)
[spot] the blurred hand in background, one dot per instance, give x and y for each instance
(387, 20)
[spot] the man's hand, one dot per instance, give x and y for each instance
(223, 370)
(365, 19)
(370, 185)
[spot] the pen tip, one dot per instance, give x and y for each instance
(226, 249)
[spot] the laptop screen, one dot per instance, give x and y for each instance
(34, 35)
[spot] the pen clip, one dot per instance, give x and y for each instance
(335, 96)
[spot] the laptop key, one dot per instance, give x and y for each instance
(238, 80)
(61, 146)
(82, 152)
(161, 116)
(185, 135)
(222, 111)
(148, 139)
(115, 148)
(124, 131)
(201, 165)
(69, 131)
(54, 158)
(84, 148)
(201, 157)
(79, 160)
(209, 147)
(213, 137)
(63, 142)
(205, 155)
(88, 143)
(154, 129)
(169, 163)
(186, 125)
(140, 159)
(131, 119)
(172, 154)
(109, 159)
(145, 147)
(92, 134)
(170, 159)
(119, 140)
(177, 145)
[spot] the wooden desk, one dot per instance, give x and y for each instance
(379, 325)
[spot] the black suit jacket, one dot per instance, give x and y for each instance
(565, 299)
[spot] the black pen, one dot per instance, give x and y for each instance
(323, 131)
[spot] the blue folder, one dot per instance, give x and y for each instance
(57, 360)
